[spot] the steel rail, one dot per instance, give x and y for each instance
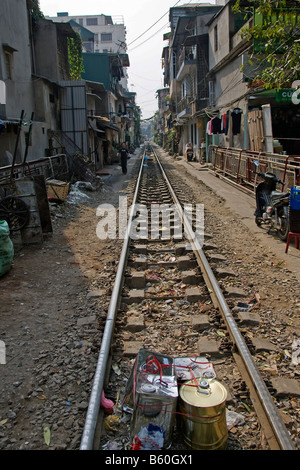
(91, 419)
(259, 387)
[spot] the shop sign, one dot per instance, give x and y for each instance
(285, 95)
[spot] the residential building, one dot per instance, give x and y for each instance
(186, 68)
(30, 79)
(163, 99)
(257, 119)
(109, 33)
(43, 111)
(111, 107)
(214, 98)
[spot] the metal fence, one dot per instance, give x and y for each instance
(51, 167)
(241, 166)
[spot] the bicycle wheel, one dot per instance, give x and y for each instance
(15, 211)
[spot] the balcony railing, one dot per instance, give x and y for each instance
(187, 55)
(186, 60)
(184, 105)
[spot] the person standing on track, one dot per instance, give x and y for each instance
(124, 154)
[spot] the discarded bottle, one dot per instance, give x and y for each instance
(6, 248)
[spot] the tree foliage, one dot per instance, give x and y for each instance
(37, 13)
(275, 36)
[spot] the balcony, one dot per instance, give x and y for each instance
(184, 107)
(186, 61)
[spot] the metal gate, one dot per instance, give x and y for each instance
(74, 114)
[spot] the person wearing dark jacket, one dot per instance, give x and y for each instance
(124, 154)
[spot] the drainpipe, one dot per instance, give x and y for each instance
(246, 131)
(268, 131)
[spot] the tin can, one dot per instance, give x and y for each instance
(203, 414)
(155, 404)
(188, 368)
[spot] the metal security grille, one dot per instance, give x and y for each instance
(74, 114)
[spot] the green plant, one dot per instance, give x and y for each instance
(36, 11)
(75, 57)
(171, 140)
(275, 36)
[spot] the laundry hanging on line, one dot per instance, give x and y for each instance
(220, 125)
(236, 115)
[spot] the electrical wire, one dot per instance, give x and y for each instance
(150, 37)
(144, 78)
(153, 24)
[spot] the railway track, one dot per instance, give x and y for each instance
(166, 293)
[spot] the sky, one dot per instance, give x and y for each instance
(146, 22)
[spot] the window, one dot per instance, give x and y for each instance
(216, 37)
(92, 21)
(88, 46)
(212, 93)
(106, 37)
(8, 64)
(186, 87)
(80, 21)
(174, 61)
(8, 60)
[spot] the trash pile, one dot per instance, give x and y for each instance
(77, 194)
(163, 391)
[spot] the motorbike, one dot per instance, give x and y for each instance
(272, 206)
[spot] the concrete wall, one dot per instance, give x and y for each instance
(221, 23)
(14, 33)
(229, 83)
(225, 62)
(46, 64)
(31, 86)
(14, 38)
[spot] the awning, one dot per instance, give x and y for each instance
(105, 122)
(94, 127)
(111, 126)
(7, 48)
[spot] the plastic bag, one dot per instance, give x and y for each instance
(6, 248)
(150, 438)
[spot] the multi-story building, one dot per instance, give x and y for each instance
(256, 119)
(186, 68)
(99, 33)
(44, 111)
(105, 65)
(215, 100)
(30, 79)
(163, 99)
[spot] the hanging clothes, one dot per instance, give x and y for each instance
(216, 125)
(236, 115)
(209, 128)
(223, 123)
